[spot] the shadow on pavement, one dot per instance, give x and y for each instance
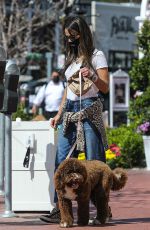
(36, 222)
(132, 220)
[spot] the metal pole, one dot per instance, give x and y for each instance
(2, 146)
(111, 97)
(57, 42)
(8, 167)
(49, 64)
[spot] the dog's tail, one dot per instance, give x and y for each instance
(119, 179)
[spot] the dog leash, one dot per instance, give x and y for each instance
(78, 124)
(71, 150)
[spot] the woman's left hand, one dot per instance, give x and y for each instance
(102, 75)
(85, 72)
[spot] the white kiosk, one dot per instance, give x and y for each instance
(119, 98)
(33, 187)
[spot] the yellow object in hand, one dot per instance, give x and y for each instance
(81, 156)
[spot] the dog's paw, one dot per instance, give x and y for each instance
(66, 224)
(107, 219)
(103, 220)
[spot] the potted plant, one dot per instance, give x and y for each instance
(144, 129)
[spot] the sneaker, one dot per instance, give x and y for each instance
(53, 217)
(95, 221)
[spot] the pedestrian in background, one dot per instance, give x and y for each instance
(50, 96)
(81, 58)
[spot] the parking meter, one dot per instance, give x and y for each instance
(2, 70)
(11, 78)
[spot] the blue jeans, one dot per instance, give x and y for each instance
(94, 148)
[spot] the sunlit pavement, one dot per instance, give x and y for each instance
(130, 208)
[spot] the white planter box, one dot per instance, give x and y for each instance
(146, 140)
(33, 188)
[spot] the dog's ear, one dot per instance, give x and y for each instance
(58, 180)
(77, 166)
(82, 171)
(84, 174)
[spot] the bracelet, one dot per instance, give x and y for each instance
(94, 78)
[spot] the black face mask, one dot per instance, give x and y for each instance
(55, 80)
(74, 43)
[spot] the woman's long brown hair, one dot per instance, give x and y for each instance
(86, 46)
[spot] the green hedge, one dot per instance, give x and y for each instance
(131, 144)
(140, 108)
(21, 113)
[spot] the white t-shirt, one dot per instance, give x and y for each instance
(52, 93)
(98, 61)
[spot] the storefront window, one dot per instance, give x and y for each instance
(120, 59)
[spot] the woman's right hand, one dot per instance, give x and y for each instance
(54, 121)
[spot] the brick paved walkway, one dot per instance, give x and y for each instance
(130, 207)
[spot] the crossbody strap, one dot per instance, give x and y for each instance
(75, 143)
(80, 81)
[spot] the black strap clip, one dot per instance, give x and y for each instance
(27, 158)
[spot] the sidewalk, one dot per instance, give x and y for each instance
(130, 208)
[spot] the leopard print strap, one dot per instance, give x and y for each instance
(94, 114)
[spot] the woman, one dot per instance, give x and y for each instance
(84, 60)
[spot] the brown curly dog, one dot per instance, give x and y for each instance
(84, 181)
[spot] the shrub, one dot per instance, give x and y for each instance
(131, 146)
(21, 113)
(140, 78)
(140, 108)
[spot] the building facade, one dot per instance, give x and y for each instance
(114, 27)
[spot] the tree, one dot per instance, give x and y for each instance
(140, 78)
(28, 26)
